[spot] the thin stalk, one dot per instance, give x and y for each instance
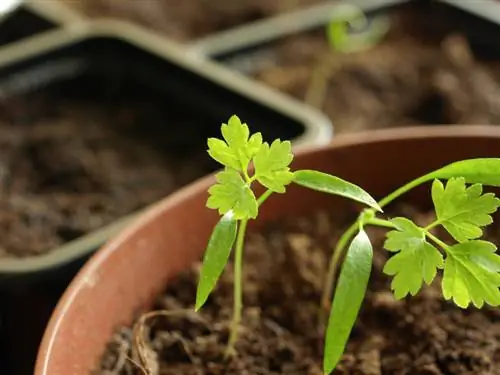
(263, 197)
(403, 189)
(335, 259)
(238, 294)
(443, 245)
(380, 223)
(332, 267)
(321, 74)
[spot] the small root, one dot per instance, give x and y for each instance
(146, 357)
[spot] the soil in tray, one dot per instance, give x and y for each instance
(187, 19)
(70, 164)
(284, 268)
(422, 73)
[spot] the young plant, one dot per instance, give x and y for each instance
(349, 31)
(233, 196)
(470, 266)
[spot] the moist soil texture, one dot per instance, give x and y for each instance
(423, 72)
(70, 164)
(285, 264)
(187, 19)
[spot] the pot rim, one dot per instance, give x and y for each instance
(85, 275)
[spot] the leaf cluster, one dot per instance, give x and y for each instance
(470, 266)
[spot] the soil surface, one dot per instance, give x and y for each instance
(284, 268)
(187, 19)
(421, 73)
(69, 166)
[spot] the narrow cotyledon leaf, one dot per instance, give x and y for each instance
(330, 184)
(349, 295)
(216, 256)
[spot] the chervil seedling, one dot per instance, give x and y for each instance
(470, 266)
(349, 31)
(235, 200)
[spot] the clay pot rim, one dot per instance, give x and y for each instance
(84, 276)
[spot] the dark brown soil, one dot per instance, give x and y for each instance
(187, 19)
(408, 79)
(69, 166)
(284, 268)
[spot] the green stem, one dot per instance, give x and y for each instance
(238, 294)
(332, 267)
(263, 197)
(403, 189)
(381, 223)
(334, 260)
(443, 245)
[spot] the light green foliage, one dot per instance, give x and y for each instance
(237, 148)
(334, 185)
(471, 274)
(272, 165)
(232, 193)
(349, 295)
(471, 268)
(463, 210)
(216, 256)
(416, 260)
(366, 34)
(485, 171)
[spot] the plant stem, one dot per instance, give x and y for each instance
(238, 294)
(381, 223)
(263, 197)
(403, 189)
(332, 267)
(443, 245)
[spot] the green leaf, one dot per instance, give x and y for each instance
(349, 295)
(416, 260)
(463, 210)
(271, 165)
(231, 193)
(334, 185)
(485, 171)
(471, 274)
(237, 149)
(216, 256)
(366, 34)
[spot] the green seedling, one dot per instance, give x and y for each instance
(233, 196)
(349, 31)
(470, 266)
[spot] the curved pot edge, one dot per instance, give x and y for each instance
(83, 278)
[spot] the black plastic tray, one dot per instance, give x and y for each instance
(245, 48)
(34, 17)
(94, 62)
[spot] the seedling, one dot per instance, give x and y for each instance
(349, 31)
(470, 266)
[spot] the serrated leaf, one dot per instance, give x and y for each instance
(416, 260)
(471, 274)
(216, 256)
(327, 183)
(231, 193)
(483, 171)
(237, 149)
(349, 295)
(220, 151)
(463, 210)
(272, 165)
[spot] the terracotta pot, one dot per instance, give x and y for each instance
(130, 270)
